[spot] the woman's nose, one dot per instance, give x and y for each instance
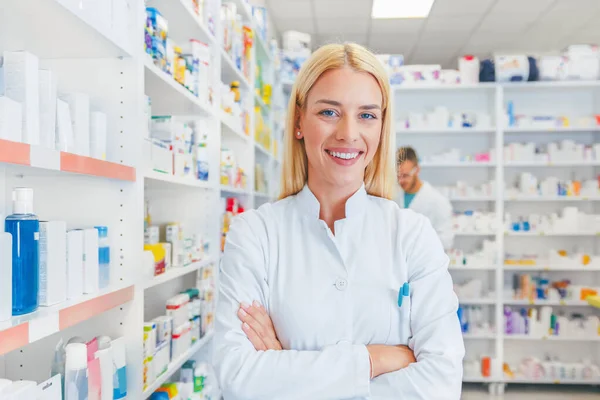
(347, 130)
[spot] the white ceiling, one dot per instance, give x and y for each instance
(453, 28)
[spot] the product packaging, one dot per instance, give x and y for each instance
(79, 105)
(53, 262)
(103, 257)
(48, 93)
(161, 358)
(5, 276)
(120, 368)
(50, 389)
(98, 134)
(91, 272)
(64, 128)
(178, 309)
(11, 120)
(182, 340)
(164, 327)
(149, 339)
(76, 373)
(74, 264)
(21, 80)
(105, 359)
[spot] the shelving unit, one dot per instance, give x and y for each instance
(86, 192)
(537, 98)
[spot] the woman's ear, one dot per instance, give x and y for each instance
(298, 124)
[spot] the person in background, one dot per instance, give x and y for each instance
(421, 197)
(334, 292)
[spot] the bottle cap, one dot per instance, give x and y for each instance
(23, 201)
(102, 231)
(76, 356)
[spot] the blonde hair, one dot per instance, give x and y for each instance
(380, 173)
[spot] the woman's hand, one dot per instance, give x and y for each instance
(257, 325)
(386, 359)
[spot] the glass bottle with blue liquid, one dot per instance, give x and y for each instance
(24, 226)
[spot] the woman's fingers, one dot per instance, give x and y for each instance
(253, 337)
(257, 318)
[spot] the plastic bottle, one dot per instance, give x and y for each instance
(120, 364)
(76, 381)
(24, 227)
(103, 256)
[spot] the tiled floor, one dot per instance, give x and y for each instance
(525, 392)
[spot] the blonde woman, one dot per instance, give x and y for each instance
(334, 292)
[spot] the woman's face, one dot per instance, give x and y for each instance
(341, 126)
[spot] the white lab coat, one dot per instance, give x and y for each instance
(432, 204)
(329, 296)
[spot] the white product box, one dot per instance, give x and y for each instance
(74, 264)
(53, 262)
(98, 133)
(183, 165)
(91, 271)
(161, 358)
(161, 157)
(21, 390)
(51, 389)
(64, 128)
(21, 80)
(48, 93)
(178, 309)
(79, 105)
(11, 120)
(6, 274)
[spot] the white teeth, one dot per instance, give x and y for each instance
(344, 156)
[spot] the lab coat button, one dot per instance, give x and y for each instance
(341, 284)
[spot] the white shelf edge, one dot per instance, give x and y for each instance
(483, 301)
(551, 130)
(550, 198)
(458, 165)
(239, 74)
(552, 381)
(553, 234)
(551, 338)
(474, 198)
(562, 303)
(549, 268)
(176, 364)
(176, 272)
(164, 177)
(474, 233)
(445, 131)
(550, 164)
(477, 336)
(462, 268)
(231, 189)
(226, 120)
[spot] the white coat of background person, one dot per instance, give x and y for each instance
(421, 197)
(334, 292)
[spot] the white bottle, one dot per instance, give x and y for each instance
(76, 381)
(5, 275)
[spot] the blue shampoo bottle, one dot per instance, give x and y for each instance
(24, 226)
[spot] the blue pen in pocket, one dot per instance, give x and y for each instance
(404, 304)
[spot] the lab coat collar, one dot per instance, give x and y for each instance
(355, 205)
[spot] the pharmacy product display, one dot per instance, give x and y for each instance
(455, 156)
(551, 370)
(540, 287)
(544, 323)
(35, 109)
(474, 222)
(442, 118)
(553, 259)
(197, 382)
(232, 174)
(529, 186)
(471, 290)
(569, 221)
(188, 63)
(189, 317)
(296, 50)
(178, 147)
(473, 322)
(48, 263)
(232, 209)
(485, 256)
(566, 151)
(463, 191)
(512, 119)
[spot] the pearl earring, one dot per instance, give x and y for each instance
(298, 133)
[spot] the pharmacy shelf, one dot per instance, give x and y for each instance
(233, 190)
(466, 234)
(552, 338)
(477, 268)
(25, 329)
(478, 379)
(445, 131)
(567, 129)
(168, 179)
(176, 272)
(188, 24)
(482, 301)
(262, 150)
(54, 160)
(464, 164)
(555, 234)
(515, 164)
(553, 381)
(246, 12)
(264, 107)
(232, 73)
(551, 198)
(473, 198)
(262, 195)
(566, 303)
(443, 88)
(227, 121)
(176, 364)
(74, 35)
(160, 85)
(550, 85)
(550, 268)
(479, 336)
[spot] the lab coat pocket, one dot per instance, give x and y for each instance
(400, 331)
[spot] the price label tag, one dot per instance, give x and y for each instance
(563, 303)
(556, 382)
(531, 301)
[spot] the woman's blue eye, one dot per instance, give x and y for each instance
(367, 116)
(328, 113)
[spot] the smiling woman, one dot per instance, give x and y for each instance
(334, 292)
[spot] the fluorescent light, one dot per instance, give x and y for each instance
(388, 9)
